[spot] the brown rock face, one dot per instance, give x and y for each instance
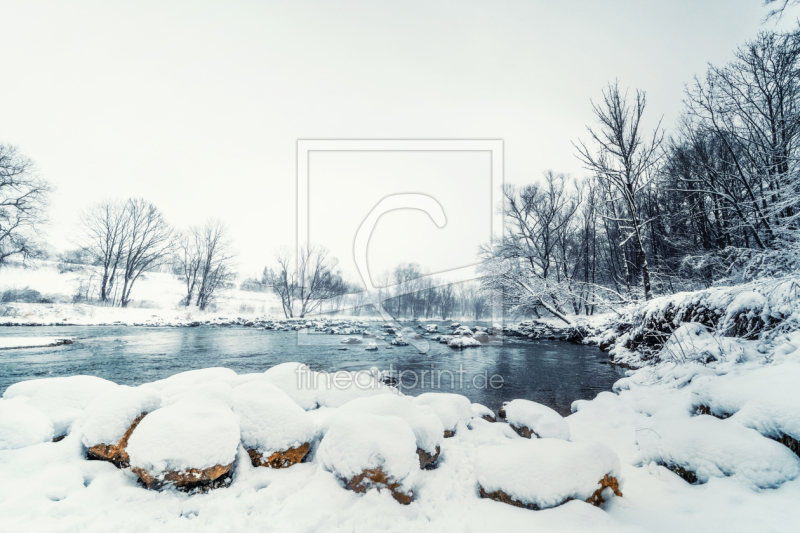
(501, 413)
(524, 431)
(375, 478)
(489, 418)
(426, 460)
(115, 453)
(501, 496)
(279, 459)
(188, 480)
(448, 433)
(595, 499)
(607, 482)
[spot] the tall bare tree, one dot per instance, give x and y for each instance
(624, 160)
(23, 199)
(104, 235)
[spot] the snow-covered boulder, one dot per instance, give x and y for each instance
(183, 382)
(275, 431)
(62, 400)
(481, 336)
(428, 429)
(451, 409)
(297, 381)
(445, 339)
(766, 399)
(186, 444)
(544, 473)
(464, 342)
(534, 419)
(372, 452)
(399, 341)
(351, 340)
(371, 347)
(22, 425)
(431, 328)
(703, 447)
(110, 419)
(481, 411)
(462, 330)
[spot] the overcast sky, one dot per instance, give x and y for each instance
(197, 106)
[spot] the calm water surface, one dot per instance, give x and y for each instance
(550, 372)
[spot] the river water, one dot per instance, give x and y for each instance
(550, 372)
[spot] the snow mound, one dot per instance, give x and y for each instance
(184, 381)
(545, 472)
(540, 419)
(296, 380)
(451, 409)
(62, 400)
(480, 411)
(110, 414)
(269, 420)
(357, 442)
(709, 447)
(184, 435)
(427, 428)
(22, 425)
(766, 399)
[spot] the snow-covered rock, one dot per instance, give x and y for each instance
(62, 400)
(705, 447)
(464, 342)
(423, 421)
(544, 473)
(110, 419)
(275, 431)
(452, 409)
(186, 443)
(481, 411)
(22, 425)
(368, 451)
(530, 418)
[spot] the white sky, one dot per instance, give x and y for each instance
(197, 106)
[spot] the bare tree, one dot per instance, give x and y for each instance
(216, 261)
(148, 243)
(283, 280)
(625, 161)
(23, 199)
(104, 236)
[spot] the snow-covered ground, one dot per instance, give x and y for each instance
(651, 427)
(154, 294)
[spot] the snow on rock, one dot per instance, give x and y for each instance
(464, 342)
(109, 420)
(9, 343)
(62, 400)
(427, 428)
(530, 418)
(22, 425)
(692, 342)
(451, 409)
(481, 411)
(545, 473)
(703, 447)
(185, 381)
(431, 328)
(184, 443)
(766, 399)
(296, 380)
(368, 451)
(275, 431)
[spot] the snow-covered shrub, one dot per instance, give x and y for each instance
(544, 473)
(530, 418)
